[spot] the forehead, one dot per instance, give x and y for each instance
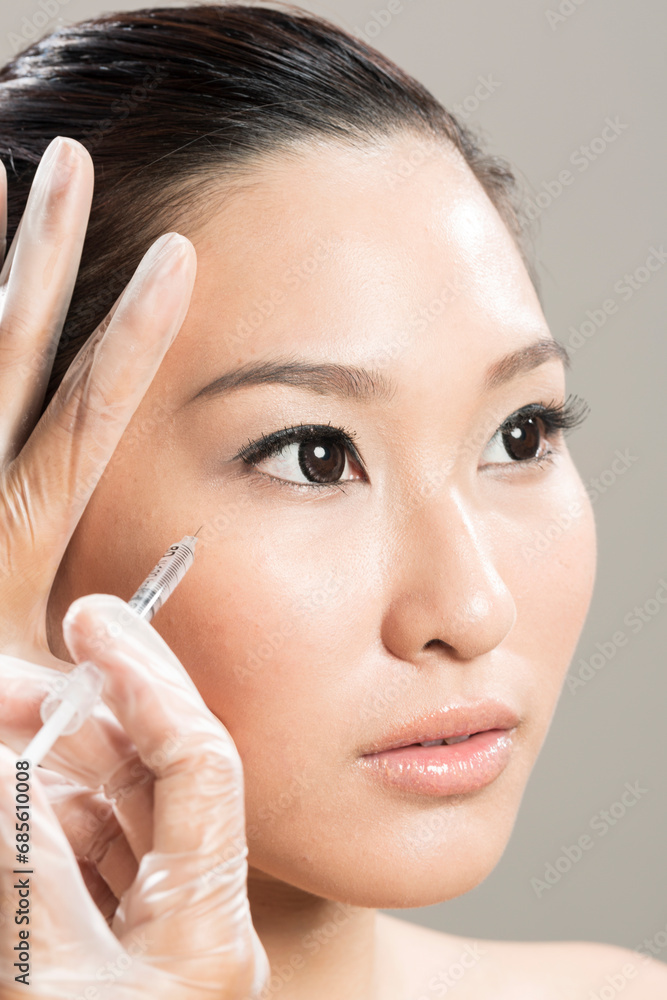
(363, 248)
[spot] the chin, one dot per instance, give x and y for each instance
(449, 874)
(418, 863)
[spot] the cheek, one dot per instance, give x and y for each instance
(549, 559)
(276, 647)
(274, 630)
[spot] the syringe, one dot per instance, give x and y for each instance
(65, 710)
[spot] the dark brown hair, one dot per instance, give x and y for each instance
(170, 101)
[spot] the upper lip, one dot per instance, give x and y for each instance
(443, 723)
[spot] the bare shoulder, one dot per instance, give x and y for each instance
(433, 962)
(585, 970)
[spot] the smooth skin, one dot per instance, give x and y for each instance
(308, 609)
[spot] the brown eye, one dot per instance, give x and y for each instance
(522, 439)
(322, 461)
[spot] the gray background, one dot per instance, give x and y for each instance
(557, 78)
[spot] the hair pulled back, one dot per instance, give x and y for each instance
(173, 101)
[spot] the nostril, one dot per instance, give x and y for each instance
(435, 642)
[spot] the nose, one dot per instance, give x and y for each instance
(447, 596)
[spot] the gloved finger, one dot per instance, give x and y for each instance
(94, 403)
(101, 893)
(89, 756)
(99, 754)
(92, 829)
(102, 862)
(39, 284)
(70, 926)
(191, 889)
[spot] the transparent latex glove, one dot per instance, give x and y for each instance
(182, 929)
(49, 468)
(95, 781)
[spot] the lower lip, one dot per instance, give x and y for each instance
(445, 770)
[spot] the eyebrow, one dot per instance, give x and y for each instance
(363, 384)
(524, 360)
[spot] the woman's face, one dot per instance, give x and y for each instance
(438, 570)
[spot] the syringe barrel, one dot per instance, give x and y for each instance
(162, 580)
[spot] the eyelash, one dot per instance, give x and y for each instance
(554, 417)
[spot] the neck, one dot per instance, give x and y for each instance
(318, 947)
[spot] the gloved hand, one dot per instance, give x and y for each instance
(49, 469)
(182, 929)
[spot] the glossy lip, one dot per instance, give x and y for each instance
(443, 770)
(443, 723)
